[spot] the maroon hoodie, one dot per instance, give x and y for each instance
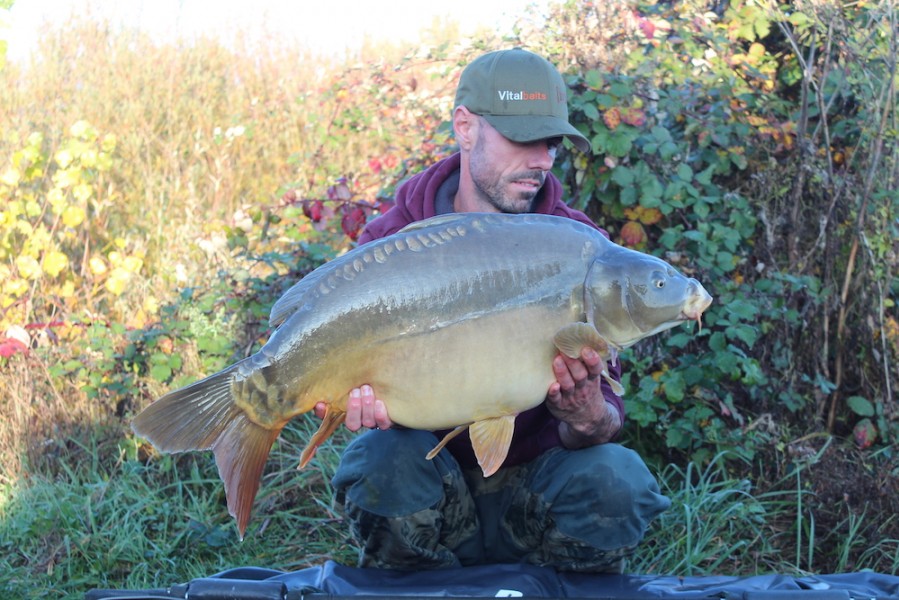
(421, 197)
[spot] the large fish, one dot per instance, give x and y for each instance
(454, 322)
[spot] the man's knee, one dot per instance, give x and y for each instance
(386, 473)
(604, 495)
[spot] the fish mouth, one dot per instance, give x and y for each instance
(695, 306)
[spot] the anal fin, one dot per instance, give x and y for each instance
(331, 421)
(490, 439)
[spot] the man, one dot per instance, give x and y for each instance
(565, 497)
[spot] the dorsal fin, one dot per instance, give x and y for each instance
(294, 298)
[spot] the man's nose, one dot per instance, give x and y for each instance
(542, 156)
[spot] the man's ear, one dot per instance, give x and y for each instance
(465, 126)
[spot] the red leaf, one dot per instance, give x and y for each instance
(635, 117)
(647, 27)
(633, 234)
(313, 210)
(10, 346)
(864, 433)
(352, 222)
(612, 118)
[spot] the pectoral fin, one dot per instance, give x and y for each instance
(332, 420)
(491, 439)
(571, 338)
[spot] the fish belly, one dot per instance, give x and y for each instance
(468, 371)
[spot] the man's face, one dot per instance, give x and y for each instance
(506, 174)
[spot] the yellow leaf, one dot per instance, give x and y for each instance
(151, 305)
(28, 267)
(118, 281)
(55, 262)
(66, 178)
(82, 192)
(68, 289)
(14, 288)
(84, 130)
(97, 265)
(57, 199)
(11, 177)
(89, 159)
(109, 142)
(73, 216)
(64, 158)
(24, 227)
(132, 264)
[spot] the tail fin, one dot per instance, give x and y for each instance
(203, 416)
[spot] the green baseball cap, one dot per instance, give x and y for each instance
(520, 94)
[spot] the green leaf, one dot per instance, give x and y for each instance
(621, 90)
(650, 192)
(591, 112)
(160, 373)
(748, 335)
(594, 79)
(667, 150)
(660, 134)
(620, 143)
(684, 172)
(679, 340)
(705, 177)
(628, 196)
(674, 386)
(743, 309)
(717, 342)
(860, 406)
(623, 176)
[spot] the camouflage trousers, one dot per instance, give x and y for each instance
(574, 510)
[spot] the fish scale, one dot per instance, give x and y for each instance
(453, 321)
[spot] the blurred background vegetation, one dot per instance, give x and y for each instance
(156, 198)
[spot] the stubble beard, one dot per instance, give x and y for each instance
(494, 189)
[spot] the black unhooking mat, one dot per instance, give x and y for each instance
(335, 582)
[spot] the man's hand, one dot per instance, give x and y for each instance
(362, 410)
(576, 399)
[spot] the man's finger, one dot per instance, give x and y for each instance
(354, 410)
(368, 407)
(593, 361)
(382, 420)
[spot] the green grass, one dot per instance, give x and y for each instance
(109, 520)
(106, 516)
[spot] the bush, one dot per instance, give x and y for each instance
(746, 146)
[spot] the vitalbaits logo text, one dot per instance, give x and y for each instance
(506, 95)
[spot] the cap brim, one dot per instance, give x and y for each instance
(530, 128)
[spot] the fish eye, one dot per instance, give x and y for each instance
(660, 283)
(659, 279)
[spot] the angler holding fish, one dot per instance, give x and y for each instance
(491, 338)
